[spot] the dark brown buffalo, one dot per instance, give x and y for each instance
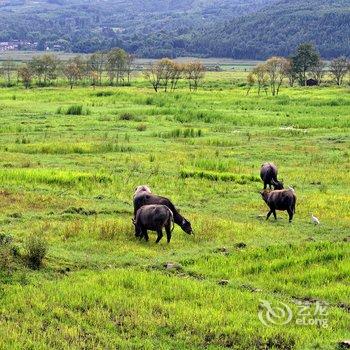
(312, 82)
(280, 200)
(154, 218)
(268, 174)
(146, 198)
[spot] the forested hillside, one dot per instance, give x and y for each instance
(238, 28)
(279, 28)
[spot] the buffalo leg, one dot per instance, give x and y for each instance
(168, 233)
(145, 234)
(290, 213)
(160, 235)
(139, 231)
(274, 214)
(268, 214)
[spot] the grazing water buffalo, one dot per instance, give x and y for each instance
(280, 200)
(146, 198)
(154, 217)
(268, 174)
(312, 82)
(141, 189)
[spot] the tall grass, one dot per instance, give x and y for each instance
(51, 177)
(73, 110)
(180, 133)
(71, 148)
(241, 179)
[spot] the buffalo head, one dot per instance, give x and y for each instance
(277, 185)
(186, 226)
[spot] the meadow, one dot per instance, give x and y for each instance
(70, 160)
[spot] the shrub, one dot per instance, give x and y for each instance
(6, 258)
(8, 252)
(36, 250)
(149, 101)
(5, 239)
(104, 93)
(141, 127)
(75, 110)
(126, 116)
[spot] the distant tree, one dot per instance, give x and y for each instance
(129, 61)
(162, 74)
(194, 73)
(260, 72)
(291, 73)
(339, 68)
(96, 63)
(176, 74)
(26, 75)
(94, 79)
(73, 70)
(318, 71)
(45, 68)
(116, 65)
(304, 60)
(167, 72)
(7, 69)
(251, 81)
(276, 68)
(154, 75)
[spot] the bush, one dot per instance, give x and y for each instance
(126, 116)
(141, 127)
(36, 250)
(75, 110)
(104, 93)
(8, 253)
(149, 101)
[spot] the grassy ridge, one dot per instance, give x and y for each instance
(70, 179)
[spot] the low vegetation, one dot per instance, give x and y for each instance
(72, 274)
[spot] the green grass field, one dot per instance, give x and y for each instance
(70, 178)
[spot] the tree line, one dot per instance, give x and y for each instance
(114, 67)
(116, 64)
(304, 67)
(165, 74)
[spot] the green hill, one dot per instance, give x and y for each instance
(279, 28)
(240, 29)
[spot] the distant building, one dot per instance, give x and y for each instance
(58, 47)
(8, 46)
(17, 45)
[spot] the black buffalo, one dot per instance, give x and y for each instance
(154, 218)
(280, 200)
(312, 82)
(268, 174)
(147, 198)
